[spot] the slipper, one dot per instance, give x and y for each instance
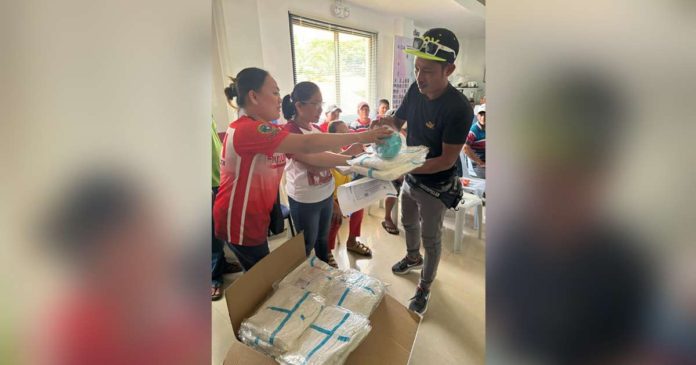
(360, 249)
(216, 292)
(390, 229)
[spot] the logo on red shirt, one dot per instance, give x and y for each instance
(267, 129)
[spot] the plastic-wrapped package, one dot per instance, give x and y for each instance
(280, 321)
(386, 175)
(413, 155)
(330, 339)
(390, 147)
(312, 275)
(356, 291)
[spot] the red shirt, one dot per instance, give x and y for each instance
(250, 174)
(324, 127)
(358, 126)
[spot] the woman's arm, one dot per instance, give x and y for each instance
(322, 159)
(313, 143)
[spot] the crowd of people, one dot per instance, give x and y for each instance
(255, 153)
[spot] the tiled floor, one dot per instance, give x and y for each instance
(453, 328)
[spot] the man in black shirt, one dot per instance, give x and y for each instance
(438, 117)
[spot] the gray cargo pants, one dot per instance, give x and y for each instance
(422, 215)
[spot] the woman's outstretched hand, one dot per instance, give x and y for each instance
(375, 135)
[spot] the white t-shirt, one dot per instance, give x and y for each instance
(306, 184)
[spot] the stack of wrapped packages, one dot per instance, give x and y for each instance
(379, 166)
(316, 315)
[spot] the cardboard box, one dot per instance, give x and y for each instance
(393, 325)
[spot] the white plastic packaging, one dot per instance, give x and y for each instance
(330, 339)
(280, 321)
(356, 291)
(408, 156)
(312, 275)
(373, 166)
(386, 175)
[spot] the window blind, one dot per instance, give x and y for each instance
(341, 60)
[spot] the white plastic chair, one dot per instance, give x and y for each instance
(469, 201)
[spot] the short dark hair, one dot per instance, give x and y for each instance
(333, 125)
(384, 101)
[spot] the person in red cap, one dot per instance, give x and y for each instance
(363, 122)
(439, 117)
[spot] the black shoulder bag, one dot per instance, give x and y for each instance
(450, 193)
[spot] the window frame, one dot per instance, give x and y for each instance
(295, 19)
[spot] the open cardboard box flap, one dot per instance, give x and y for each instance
(393, 325)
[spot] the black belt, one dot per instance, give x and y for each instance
(414, 182)
(450, 197)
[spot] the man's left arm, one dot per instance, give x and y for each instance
(450, 154)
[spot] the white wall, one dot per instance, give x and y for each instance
(258, 34)
(275, 38)
(220, 81)
(266, 36)
(241, 35)
(472, 58)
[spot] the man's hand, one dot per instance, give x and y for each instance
(385, 121)
(375, 135)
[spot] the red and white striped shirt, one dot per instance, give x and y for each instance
(250, 174)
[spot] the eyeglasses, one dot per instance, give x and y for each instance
(430, 47)
(319, 104)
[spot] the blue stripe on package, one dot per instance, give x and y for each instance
(281, 320)
(330, 339)
(355, 291)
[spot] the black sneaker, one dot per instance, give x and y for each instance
(406, 264)
(419, 302)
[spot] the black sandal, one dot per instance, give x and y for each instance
(390, 229)
(217, 292)
(332, 261)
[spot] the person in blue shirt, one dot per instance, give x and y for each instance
(475, 146)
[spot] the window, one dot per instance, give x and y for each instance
(342, 61)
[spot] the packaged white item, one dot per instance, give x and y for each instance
(280, 320)
(330, 339)
(386, 175)
(356, 291)
(312, 275)
(414, 155)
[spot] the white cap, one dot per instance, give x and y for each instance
(332, 108)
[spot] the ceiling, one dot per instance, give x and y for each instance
(464, 17)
